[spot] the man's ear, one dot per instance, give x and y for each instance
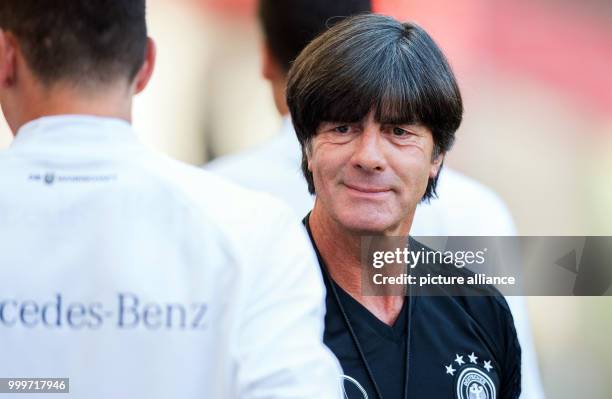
(436, 165)
(146, 70)
(269, 66)
(7, 59)
(308, 154)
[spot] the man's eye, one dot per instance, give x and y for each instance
(342, 129)
(397, 131)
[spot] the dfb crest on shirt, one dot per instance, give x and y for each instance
(471, 377)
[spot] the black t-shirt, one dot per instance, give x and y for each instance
(384, 347)
(462, 347)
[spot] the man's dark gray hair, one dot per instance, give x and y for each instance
(374, 63)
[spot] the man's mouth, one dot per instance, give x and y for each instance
(367, 190)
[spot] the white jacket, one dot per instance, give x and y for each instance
(139, 277)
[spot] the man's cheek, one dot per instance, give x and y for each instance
(327, 170)
(415, 182)
(321, 180)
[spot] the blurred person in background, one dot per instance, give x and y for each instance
(462, 206)
(132, 274)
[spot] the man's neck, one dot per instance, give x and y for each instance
(341, 252)
(113, 102)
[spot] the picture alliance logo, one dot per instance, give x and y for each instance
(128, 312)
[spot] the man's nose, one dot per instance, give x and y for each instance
(368, 154)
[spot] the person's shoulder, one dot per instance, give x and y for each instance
(463, 206)
(455, 186)
(252, 160)
(480, 306)
(221, 200)
(482, 301)
(272, 168)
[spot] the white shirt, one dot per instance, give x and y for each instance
(464, 207)
(137, 276)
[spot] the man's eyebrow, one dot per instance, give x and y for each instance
(343, 120)
(399, 123)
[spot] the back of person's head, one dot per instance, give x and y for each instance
(289, 25)
(80, 42)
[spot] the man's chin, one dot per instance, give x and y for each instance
(368, 225)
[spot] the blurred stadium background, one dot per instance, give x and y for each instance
(537, 82)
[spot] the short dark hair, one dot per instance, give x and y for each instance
(373, 62)
(80, 41)
(289, 25)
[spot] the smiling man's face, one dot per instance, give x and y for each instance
(370, 177)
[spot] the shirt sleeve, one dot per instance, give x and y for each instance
(280, 338)
(511, 379)
(531, 385)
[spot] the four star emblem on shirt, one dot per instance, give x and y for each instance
(473, 359)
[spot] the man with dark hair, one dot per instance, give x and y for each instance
(375, 107)
(462, 206)
(129, 273)
(348, 85)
